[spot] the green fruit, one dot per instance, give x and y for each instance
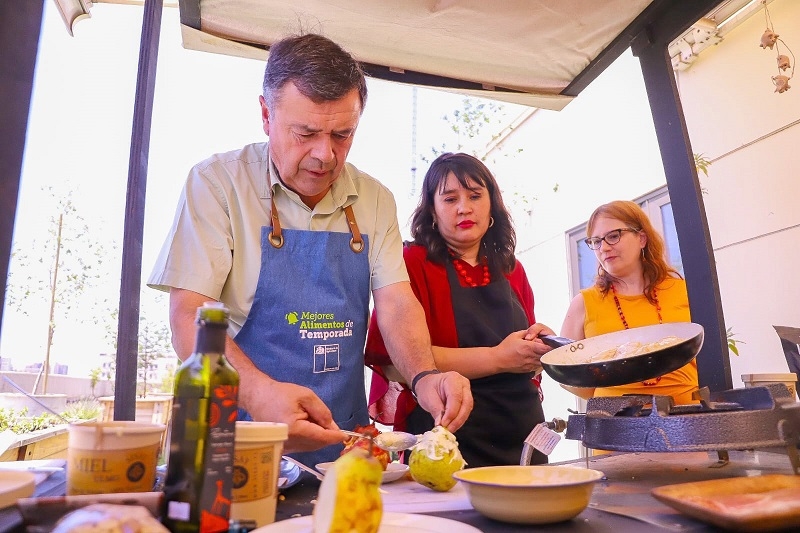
(435, 458)
(349, 499)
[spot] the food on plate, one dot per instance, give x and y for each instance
(435, 458)
(109, 518)
(349, 499)
(629, 349)
(774, 501)
(767, 502)
(393, 439)
(355, 443)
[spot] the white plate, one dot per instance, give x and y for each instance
(391, 523)
(393, 472)
(15, 485)
(288, 475)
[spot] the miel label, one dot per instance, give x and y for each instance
(99, 471)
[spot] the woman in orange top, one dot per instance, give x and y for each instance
(634, 287)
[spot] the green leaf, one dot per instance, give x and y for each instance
(732, 341)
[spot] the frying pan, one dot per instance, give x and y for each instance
(568, 362)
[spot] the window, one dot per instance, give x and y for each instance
(582, 262)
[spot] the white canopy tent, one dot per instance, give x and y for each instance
(444, 43)
(542, 53)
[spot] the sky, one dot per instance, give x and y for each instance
(79, 140)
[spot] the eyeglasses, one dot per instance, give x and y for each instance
(612, 237)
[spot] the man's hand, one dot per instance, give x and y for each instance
(311, 426)
(447, 397)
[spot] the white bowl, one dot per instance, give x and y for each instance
(393, 472)
(529, 494)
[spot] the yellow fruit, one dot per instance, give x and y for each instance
(434, 459)
(349, 499)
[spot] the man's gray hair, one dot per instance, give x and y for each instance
(320, 69)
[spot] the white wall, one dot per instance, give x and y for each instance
(752, 194)
(74, 387)
(603, 147)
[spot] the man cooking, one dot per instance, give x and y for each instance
(293, 239)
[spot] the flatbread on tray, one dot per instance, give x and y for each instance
(758, 503)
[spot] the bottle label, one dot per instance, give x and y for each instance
(179, 511)
(215, 501)
(254, 475)
(181, 492)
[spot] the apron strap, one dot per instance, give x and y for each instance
(356, 243)
(275, 236)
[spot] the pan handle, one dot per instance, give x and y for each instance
(554, 341)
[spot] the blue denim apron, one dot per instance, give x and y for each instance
(308, 321)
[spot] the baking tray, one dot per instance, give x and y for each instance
(759, 503)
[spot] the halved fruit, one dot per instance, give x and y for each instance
(349, 499)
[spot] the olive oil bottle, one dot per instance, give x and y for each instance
(198, 485)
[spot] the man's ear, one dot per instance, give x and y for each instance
(264, 114)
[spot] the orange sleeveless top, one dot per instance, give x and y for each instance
(602, 317)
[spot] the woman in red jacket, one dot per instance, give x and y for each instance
(479, 310)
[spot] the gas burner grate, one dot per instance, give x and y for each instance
(736, 419)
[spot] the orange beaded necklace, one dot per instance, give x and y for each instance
(622, 315)
(648, 382)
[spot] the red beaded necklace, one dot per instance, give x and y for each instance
(648, 382)
(464, 275)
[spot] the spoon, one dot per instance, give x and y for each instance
(391, 441)
(303, 467)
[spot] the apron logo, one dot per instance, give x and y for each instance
(326, 358)
(322, 326)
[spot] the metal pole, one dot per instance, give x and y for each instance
(20, 27)
(691, 225)
(128, 327)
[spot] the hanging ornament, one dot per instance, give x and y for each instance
(770, 39)
(781, 83)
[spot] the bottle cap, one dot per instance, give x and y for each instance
(214, 312)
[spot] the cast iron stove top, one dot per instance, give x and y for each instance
(735, 419)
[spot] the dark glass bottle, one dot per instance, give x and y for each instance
(197, 489)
